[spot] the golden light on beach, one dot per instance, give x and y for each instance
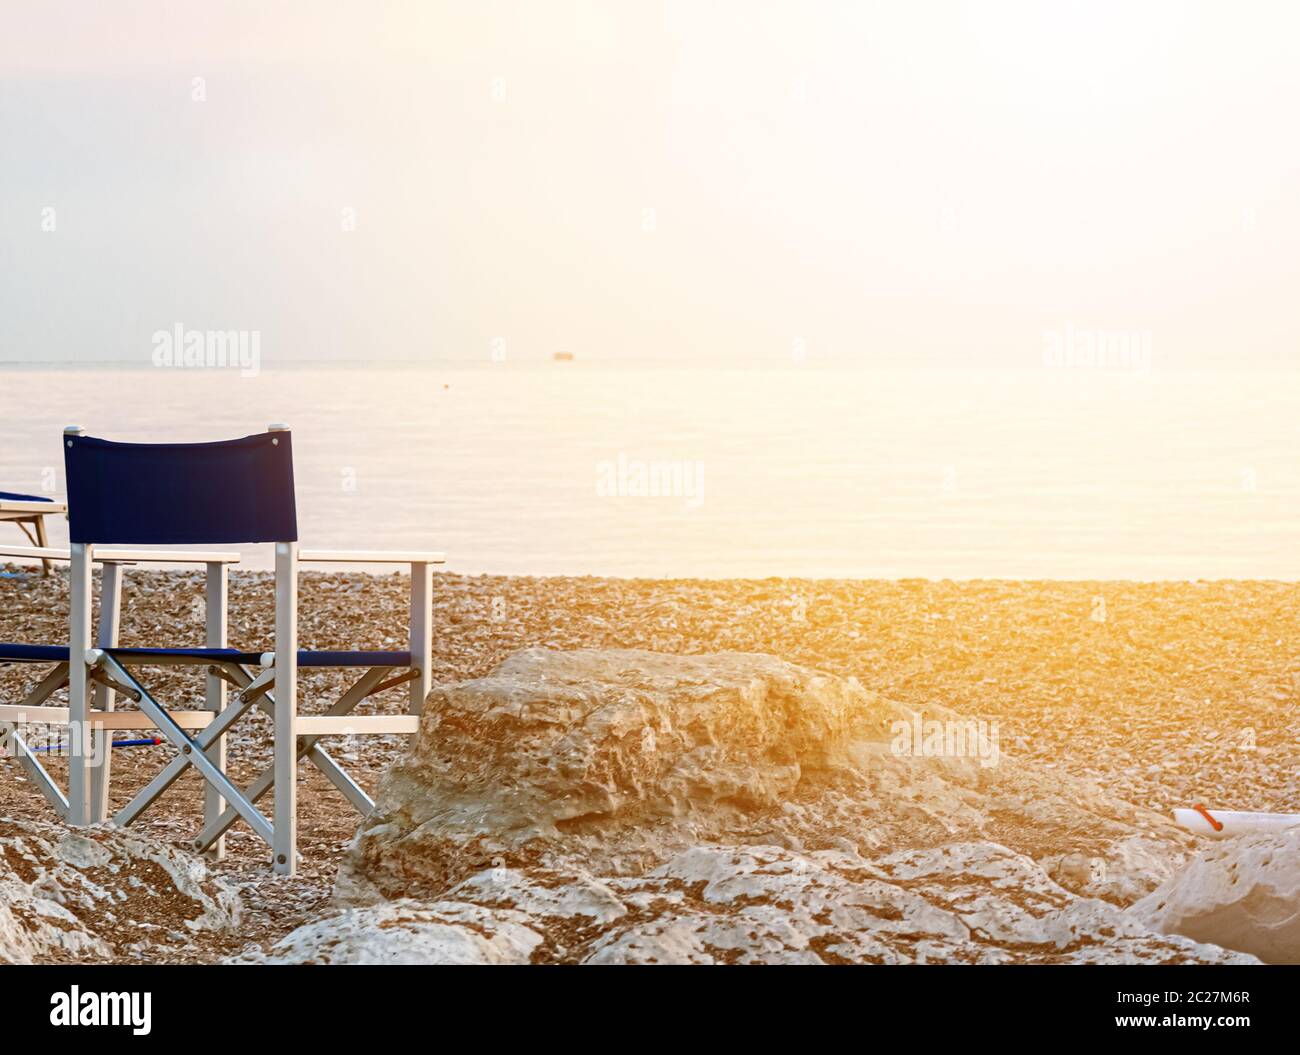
(647, 482)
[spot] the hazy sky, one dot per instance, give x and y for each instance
(648, 180)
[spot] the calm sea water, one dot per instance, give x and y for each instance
(775, 472)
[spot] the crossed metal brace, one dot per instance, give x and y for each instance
(254, 692)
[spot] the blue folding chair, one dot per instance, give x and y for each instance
(228, 492)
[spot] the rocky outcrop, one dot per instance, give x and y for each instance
(613, 762)
(1241, 893)
(632, 807)
(961, 903)
(101, 894)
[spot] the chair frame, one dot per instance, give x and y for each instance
(34, 710)
(295, 735)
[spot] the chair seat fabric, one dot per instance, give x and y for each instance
(354, 659)
(16, 653)
(15, 497)
(12, 653)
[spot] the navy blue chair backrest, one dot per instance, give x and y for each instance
(181, 493)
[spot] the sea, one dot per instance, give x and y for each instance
(721, 471)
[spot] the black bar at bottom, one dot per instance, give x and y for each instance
(1080, 1003)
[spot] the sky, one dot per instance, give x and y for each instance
(861, 183)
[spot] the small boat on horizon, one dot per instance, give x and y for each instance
(562, 357)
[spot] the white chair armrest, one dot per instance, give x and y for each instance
(123, 556)
(343, 556)
(35, 552)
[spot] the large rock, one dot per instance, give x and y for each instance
(102, 893)
(614, 762)
(631, 807)
(1241, 893)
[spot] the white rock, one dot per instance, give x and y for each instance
(404, 932)
(1241, 893)
(962, 903)
(96, 892)
(572, 899)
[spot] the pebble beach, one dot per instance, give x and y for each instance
(1165, 694)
